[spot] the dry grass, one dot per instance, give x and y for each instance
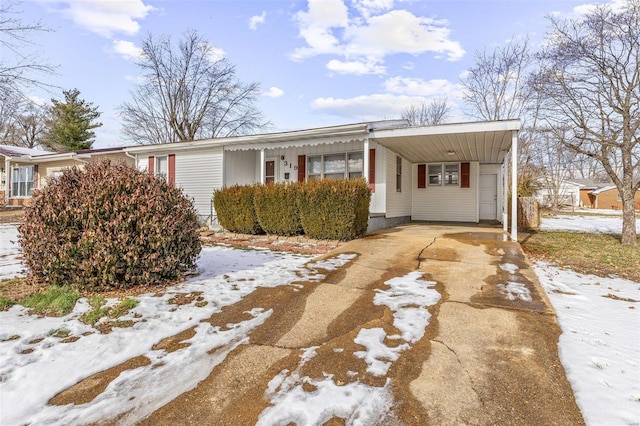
(598, 254)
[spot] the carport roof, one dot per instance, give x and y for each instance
(487, 142)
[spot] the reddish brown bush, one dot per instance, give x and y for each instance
(109, 226)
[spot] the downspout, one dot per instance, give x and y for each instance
(135, 158)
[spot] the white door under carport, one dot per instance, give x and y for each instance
(488, 196)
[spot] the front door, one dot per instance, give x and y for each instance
(270, 171)
(488, 196)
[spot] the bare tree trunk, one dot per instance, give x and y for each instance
(628, 217)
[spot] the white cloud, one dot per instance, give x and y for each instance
(213, 53)
(256, 20)
(106, 17)
(615, 5)
(400, 94)
(274, 92)
(371, 33)
(316, 27)
(435, 88)
(355, 67)
(400, 31)
(367, 107)
(127, 49)
(369, 7)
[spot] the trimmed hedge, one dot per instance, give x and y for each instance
(235, 209)
(109, 226)
(334, 209)
(277, 208)
(325, 209)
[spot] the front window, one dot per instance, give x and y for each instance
(335, 166)
(162, 166)
(435, 174)
(451, 174)
(22, 181)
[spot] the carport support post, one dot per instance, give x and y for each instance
(505, 194)
(262, 159)
(514, 185)
(365, 162)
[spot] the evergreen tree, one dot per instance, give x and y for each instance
(70, 123)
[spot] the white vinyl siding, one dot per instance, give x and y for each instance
(446, 202)
(398, 203)
(198, 173)
(241, 167)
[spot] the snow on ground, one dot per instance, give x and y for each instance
(602, 222)
(10, 264)
(600, 342)
(36, 365)
(358, 404)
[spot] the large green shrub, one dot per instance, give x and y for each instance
(235, 209)
(277, 208)
(334, 209)
(109, 226)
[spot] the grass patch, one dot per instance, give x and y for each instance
(100, 311)
(6, 303)
(598, 254)
(55, 301)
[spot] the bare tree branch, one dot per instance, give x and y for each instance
(188, 94)
(435, 112)
(589, 87)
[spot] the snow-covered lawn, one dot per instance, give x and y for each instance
(10, 265)
(596, 221)
(600, 342)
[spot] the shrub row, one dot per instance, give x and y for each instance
(109, 226)
(324, 209)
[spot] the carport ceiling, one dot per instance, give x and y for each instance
(486, 142)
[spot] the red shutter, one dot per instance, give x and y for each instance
(172, 169)
(372, 169)
(302, 168)
(151, 166)
(36, 178)
(465, 175)
(422, 175)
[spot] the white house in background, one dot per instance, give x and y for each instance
(565, 192)
(22, 169)
(450, 172)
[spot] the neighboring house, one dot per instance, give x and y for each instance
(586, 186)
(451, 172)
(563, 193)
(608, 197)
(24, 170)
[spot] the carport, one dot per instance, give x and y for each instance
(477, 147)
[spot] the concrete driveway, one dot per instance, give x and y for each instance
(489, 354)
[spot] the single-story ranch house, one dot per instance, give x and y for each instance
(450, 172)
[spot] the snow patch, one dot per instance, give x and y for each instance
(509, 267)
(10, 253)
(514, 290)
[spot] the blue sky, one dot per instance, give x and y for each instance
(319, 63)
